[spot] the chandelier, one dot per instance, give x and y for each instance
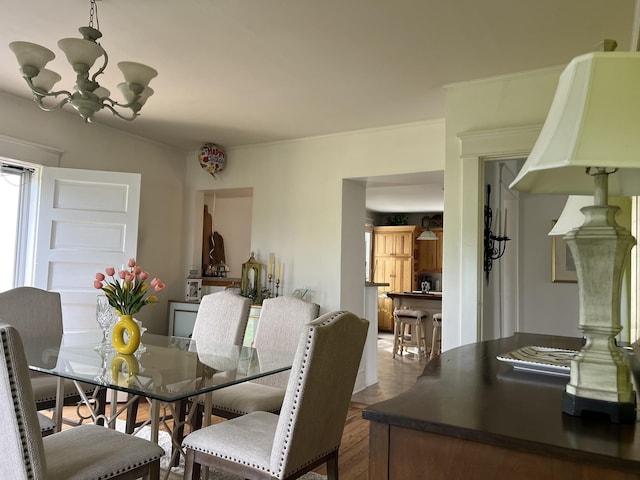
(89, 96)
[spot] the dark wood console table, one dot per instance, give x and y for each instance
(470, 416)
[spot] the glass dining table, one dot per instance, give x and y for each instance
(165, 370)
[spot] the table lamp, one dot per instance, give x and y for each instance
(590, 145)
(571, 216)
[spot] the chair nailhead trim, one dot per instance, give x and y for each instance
(12, 382)
(229, 458)
(298, 390)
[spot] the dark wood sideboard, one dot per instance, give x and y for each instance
(470, 416)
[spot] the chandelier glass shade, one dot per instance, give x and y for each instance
(88, 96)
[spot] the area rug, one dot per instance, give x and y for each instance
(164, 440)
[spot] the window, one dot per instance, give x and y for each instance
(368, 235)
(15, 182)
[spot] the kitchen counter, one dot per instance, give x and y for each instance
(375, 284)
(474, 417)
(416, 295)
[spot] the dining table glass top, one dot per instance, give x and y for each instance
(164, 368)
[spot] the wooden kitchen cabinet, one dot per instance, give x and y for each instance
(398, 273)
(394, 241)
(394, 262)
(430, 253)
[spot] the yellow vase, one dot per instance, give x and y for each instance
(126, 324)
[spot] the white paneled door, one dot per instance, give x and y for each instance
(87, 220)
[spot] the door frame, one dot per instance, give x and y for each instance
(463, 309)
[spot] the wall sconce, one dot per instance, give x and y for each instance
(494, 245)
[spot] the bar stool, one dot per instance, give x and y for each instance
(417, 319)
(436, 335)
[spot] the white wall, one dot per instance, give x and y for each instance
(546, 307)
(96, 147)
(299, 211)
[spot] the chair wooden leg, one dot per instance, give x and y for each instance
(154, 470)
(191, 469)
(435, 339)
(181, 416)
(422, 339)
(132, 414)
(198, 415)
(332, 466)
(395, 338)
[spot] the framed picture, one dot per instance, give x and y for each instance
(194, 290)
(299, 293)
(563, 269)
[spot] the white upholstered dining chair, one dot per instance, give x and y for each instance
(222, 318)
(80, 453)
(308, 431)
(282, 320)
(37, 314)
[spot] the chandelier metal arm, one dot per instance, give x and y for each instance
(134, 113)
(101, 69)
(39, 95)
(48, 108)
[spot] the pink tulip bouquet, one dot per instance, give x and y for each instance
(128, 292)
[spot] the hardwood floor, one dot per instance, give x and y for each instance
(394, 376)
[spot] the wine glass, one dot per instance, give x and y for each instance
(141, 348)
(105, 316)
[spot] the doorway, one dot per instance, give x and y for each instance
(500, 305)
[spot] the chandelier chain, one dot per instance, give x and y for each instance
(93, 12)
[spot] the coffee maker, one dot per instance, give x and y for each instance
(425, 283)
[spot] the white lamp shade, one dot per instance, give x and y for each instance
(31, 54)
(146, 93)
(137, 73)
(46, 79)
(571, 216)
(427, 235)
(79, 50)
(129, 95)
(594, 121)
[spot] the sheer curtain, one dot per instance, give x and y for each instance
(15, 184)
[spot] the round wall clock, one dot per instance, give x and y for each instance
(212, 158)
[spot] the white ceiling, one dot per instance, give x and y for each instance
(417, 192)
(237, 72)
